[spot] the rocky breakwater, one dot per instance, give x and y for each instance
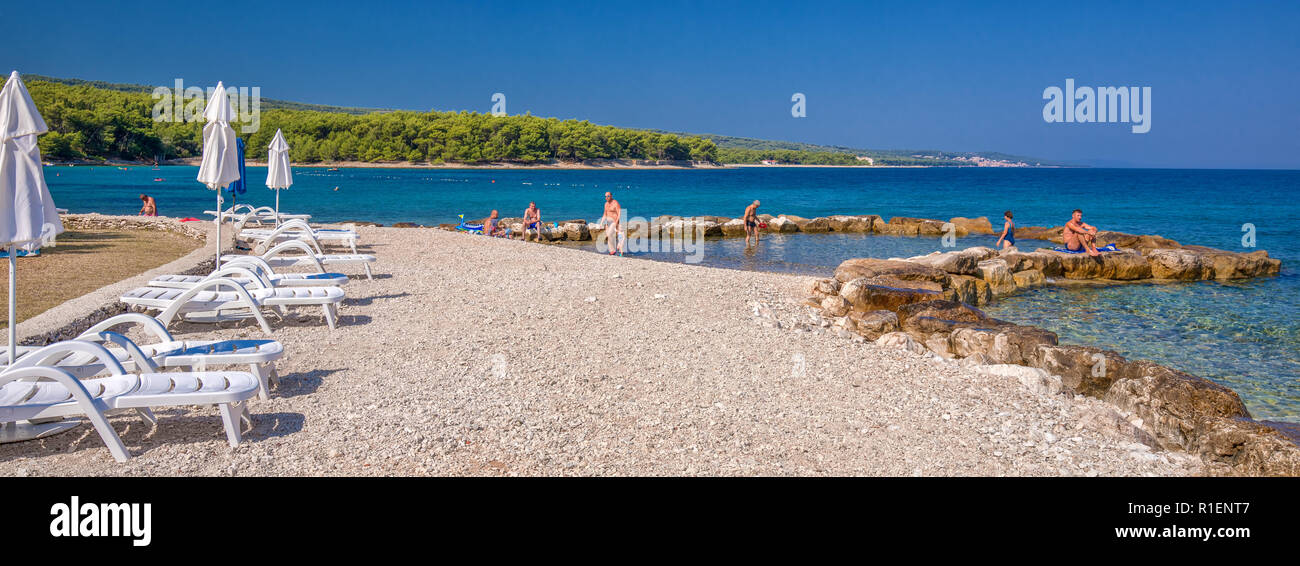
(929, 304)
(726, 227)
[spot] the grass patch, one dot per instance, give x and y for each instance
(85, 260)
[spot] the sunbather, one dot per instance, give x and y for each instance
(492, 226)
(1080, 235)
(150, 207)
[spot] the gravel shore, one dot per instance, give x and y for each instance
(476, 356)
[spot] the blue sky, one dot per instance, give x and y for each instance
(962, 76)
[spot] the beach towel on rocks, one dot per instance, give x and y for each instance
(1108, 248)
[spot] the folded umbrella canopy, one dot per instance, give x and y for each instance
(28, 208)
(28, 215)
(238, 188)
(220, 165)
(278, 174)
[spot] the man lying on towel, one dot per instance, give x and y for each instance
(1080, 236)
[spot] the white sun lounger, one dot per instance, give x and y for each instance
(311, 258)
(191, 355)
(30, 389)
(300, 230)
(245, 269)
(259, 214)
(208, 302)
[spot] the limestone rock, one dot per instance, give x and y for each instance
(901, 340)
(1047, 262)
(1124, 265)
(815, 225)
(1228, 265)
(980, 225)
(867, 297)
(733, 227)
(782, 225)
(998, 276)
(1180, 264)
(577, 232)
(854, 224)
(897, 269)
(825, 288)
(1083, 369)
(1249, 448)
(874, 324)
(970, 290)
(1029, 278)
(835, 306)
(1172, 405)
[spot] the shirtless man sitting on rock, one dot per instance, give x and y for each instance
(1080, 235)
(532, 221)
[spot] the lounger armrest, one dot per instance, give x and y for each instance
(142, 362)
(294, 245)
(238, 270)
(149, 323)
(50, 355)
(252, 262)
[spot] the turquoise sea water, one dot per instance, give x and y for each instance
(1243, 334)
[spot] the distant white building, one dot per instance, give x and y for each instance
(869, 160)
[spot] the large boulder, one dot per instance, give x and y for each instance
(980, 225)
(902, 341)
(823, 288)
(962, 262)
(782, 225)
(1124, 265)
(1047, 262)
(998, 276)
(1179, 264)
(904, 226)
(970, 290)
(1134, 241)
(577, 232)
(1083, 369)
(836, 306)
(1173, 406)
(868, 297)
(944, 310)
(815, 225)
(1248, 448)
(864, 224)
(1015, 344)
(1028, 278)
(733, 227)
(874, 324)
(1229, 265)
(900, 270)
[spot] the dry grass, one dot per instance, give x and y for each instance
(87, 260)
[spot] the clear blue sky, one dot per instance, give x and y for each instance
(962, 76)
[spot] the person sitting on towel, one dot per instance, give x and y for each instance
(1080, 235)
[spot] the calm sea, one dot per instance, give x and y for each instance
(1245, 335)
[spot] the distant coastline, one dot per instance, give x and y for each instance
(621, 164)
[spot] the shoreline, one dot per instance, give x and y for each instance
(548, 383)
(610, 165)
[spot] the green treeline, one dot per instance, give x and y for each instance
(94, 123)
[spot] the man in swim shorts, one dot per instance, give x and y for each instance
(150, 207)
(611, 218)
(751, 222)
(532, 221)
(1080, 235)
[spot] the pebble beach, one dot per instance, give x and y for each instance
(475, 356)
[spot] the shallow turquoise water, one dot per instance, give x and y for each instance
(1244, 335)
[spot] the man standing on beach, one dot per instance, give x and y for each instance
(751, 222)
(1080, 235)
(532, 221)
(613, 212)
(150, 207)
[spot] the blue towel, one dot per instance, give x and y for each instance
(1108, 248)
(22, 253)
